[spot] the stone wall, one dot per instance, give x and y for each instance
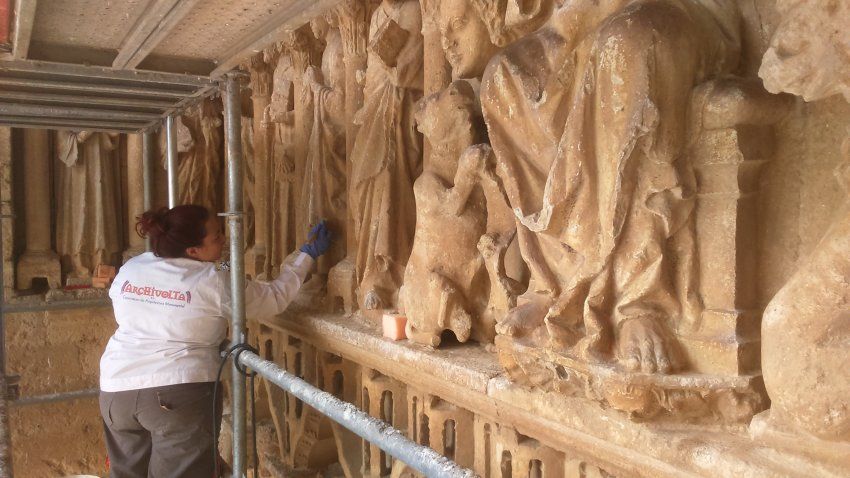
(52, 352)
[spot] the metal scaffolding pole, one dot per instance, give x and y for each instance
(148, 146)
(171, 141)
(233, 135)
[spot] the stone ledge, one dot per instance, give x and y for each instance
(469, 376)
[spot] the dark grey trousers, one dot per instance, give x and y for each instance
(160, 432)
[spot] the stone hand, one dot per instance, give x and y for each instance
(473, 159)
(643, 347)
(318, 240)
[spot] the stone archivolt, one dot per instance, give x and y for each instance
(576, 187)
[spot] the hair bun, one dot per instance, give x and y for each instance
(152, 223)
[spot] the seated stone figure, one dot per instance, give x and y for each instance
(445, 272)
(805, 333)
(587, 118)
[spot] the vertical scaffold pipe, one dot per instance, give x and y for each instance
(171, 160)
(148, 146)
(233, 134)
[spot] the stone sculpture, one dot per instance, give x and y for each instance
(593, 170)
(387, 153)
(88, 223)
(280, 113)
(323, 193)
(445, 281)
(473, 31)
(199, 159)
(805, 333)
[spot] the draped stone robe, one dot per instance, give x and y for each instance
(323, 193)
(588, 125)
(88, 223)
(387, 157)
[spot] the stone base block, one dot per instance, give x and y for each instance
(692, 397)
(39, 265)
(342, 286)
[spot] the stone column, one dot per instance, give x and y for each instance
(437, 71)
(258, 261)
(303, 50)
(353, 19)
(39, 260)
(6, 209)
(135, 195)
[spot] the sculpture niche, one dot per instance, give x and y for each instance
(387, 153)
(806, 326)
(446, 282)
(88, 225)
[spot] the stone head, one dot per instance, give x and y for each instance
(809, 51)
(449, 114)
(465, 38)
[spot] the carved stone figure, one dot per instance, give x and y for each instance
(587, 120)
(387, 153)
(88, 223)
(445, 282)
(323, 193)
(200, 162)
(806, 326)
(280, 113)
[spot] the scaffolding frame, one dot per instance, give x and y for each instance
(61, 96)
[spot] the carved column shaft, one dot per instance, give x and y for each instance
(261, 89)
(437, 71)
(354, 28)
(39, 260)
(135, 194)
(6, 207)
(303, 52)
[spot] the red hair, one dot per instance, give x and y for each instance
(174, 230)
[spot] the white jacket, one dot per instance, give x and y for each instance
(173, 314)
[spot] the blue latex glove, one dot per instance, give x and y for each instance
(318, 240)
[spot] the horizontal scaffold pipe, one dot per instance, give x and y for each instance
(58, 98)
(421, 458)
(94, 88)
(55, 397)
(44, 111)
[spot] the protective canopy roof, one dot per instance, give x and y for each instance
(123, 65)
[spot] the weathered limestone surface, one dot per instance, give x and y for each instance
(88, 196)
(39, 260)
(387, 154)
(607, 199)
(804, 332)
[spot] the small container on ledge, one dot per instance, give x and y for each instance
(393, 326)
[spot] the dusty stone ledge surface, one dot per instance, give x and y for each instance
(470, 376)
